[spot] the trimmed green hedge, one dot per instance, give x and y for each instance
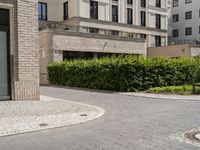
(125, 73)
(182, 90)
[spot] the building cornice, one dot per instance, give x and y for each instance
(79, 19)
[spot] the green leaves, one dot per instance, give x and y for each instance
(125, 73)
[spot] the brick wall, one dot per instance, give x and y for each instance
(27, 85)
(24, 48)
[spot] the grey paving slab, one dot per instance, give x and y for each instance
(130, 123)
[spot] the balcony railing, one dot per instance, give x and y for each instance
(97, 31)
(190, 42)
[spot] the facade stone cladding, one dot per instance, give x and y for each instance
(53, 43)
(24, 48)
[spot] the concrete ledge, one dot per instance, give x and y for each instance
(18, 117)
(163, 96)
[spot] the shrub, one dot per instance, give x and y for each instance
(125, 73)
(183, 90)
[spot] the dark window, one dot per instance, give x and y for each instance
(130, 2)
(93, 9)
(199, 29)
(188, 31)
(143, 3)
(66, 10)
(158, 3)
(42, 11)
(188, 1)
(143, 18)
(158, 21)
(114, 13)
(175, 33)
(129, 16)
(188, 15)
(199, 12)
(70, 55)
(175, 3)
(4, 19)
(114, 32)
(143, 36)
(175, 18)
(158, 41)
(94, 30)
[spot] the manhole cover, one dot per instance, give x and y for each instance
(193, 136)
(43, 124)
(83, 115)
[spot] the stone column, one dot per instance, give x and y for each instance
(26, 85)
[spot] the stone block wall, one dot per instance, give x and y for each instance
(24, 47)
(53, 43)
(27, 84)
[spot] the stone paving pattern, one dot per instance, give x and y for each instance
(20, 117)
(130, 123)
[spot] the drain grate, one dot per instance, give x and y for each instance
(43, 124)
(193, 136)
(83, 115)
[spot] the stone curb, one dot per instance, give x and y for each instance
(162, 96)
(64, 119)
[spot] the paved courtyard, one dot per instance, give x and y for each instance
(130, 123)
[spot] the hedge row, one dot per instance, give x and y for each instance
(125, 73)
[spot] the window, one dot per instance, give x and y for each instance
(175, 33)
(93, 9)
(158, 21)
(94, 30)
(116, 33)
(175, 18)
(188, 1)
(143, 3)
(114, 13)
(129, 16)
(143, 36)
(188, 15)
(158, 3)
(66, 10)
(129, 2)
(143, 18)
(42, 11)
(199, 12)
(188, 31)
(175, 3)
(199, 29)
(158, 41)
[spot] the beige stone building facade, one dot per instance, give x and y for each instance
(94, 28)
(19, 50)
(174, 51)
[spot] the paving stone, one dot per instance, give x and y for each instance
(130, 123)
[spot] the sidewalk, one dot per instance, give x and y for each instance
(162, 96)
(26, 116)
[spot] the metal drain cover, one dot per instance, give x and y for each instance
(193, 136)
(43, 124)
(83, 115)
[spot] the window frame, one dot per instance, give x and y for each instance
(43, 17)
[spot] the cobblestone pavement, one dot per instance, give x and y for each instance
(130, 123)
(26, 116)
